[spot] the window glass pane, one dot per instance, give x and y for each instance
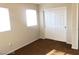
(31, 17)
(4, 20)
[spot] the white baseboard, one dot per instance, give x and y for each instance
(69, 43)
(20, 47)
(73, 47)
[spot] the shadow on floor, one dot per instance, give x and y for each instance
(44, 46)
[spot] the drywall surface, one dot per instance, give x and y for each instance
(74, 26)
(71, 20)
(20, 35)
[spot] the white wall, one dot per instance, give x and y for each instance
(20, 35)
(71, 21)
(75, 26)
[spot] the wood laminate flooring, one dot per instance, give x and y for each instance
(45, 46)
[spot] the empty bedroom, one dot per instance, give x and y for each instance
(39, 29)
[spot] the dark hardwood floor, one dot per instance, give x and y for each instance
(43, 46)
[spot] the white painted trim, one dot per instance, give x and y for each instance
(74, 47)
(20, 46)
(75, 44)
(68, 42)
(42, 37)
(77, 28)
(53, 8)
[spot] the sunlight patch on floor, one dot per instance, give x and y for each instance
(56, 52)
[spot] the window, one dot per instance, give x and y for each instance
(31, 17)
(4, 20)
